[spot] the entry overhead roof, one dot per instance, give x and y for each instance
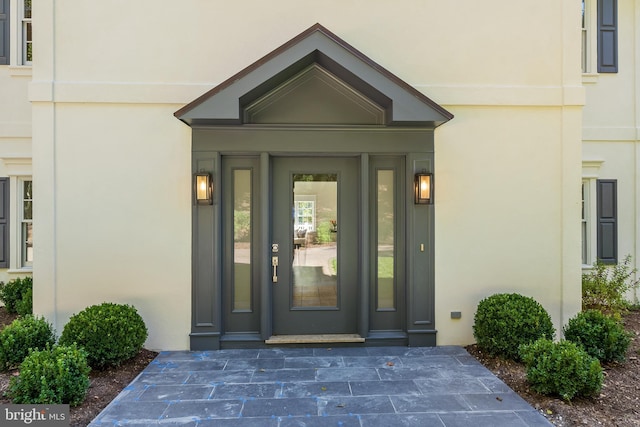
(400, 103)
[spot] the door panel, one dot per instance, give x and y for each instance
(315, 228)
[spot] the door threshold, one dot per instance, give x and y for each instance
(313, 339)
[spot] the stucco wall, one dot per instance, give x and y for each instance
(611, 129)
(15, 144)
(114, 213)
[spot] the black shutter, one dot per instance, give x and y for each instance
(607, 220)
(4, 222)
(607, 36)
(4, 32)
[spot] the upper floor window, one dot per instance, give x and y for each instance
(599, 36)
(27, 34)
(16, 32)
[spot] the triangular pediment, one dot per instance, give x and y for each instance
(314, 79)
(315, 97)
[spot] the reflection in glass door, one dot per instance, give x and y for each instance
(315, 228)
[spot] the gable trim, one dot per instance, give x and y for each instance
(183, 113)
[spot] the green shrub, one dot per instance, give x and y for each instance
(22, 335)
(601, 336)
(13, 292)
(110, 333)
(505, 321)
(562, 368)
(25, 305)
(55, 375)
(605, 287)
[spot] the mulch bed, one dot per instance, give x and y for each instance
(617, 405)
(104, 385)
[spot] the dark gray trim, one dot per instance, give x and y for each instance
(607, 222)
(266, 321)
(408, 106)
(607, 36)
(421, 274)
(4, 32)
(422, 338)
(199, 341)
(365, 242)
(309, 141)
(206, 259)
(4, 222)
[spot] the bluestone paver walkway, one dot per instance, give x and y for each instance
(343, 386)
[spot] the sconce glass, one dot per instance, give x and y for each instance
(204, 188)
(423, 188)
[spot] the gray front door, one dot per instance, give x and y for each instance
(315, 245)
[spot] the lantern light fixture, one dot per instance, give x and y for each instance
(203, 188)
(423, 188)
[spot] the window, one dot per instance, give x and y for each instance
(586, 223)
(26, 229)
(16, 218)
(305, 213)
(27, 35)
(585, 38)
(16, 32)
(599, 225)
(600, 36)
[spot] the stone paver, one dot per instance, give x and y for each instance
(282, 387)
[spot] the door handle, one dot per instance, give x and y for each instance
(274, 263)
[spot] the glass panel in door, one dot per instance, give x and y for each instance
(315, 249)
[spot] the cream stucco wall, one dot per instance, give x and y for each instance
(611, 128)
(15, 148)
(113, 165)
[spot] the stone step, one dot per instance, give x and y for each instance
(314, 339)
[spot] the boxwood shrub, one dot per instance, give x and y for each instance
(55, 375)
(601, 336)
(110, 333)
(13, 292)
(22, 335)
(562, 368)
(505, 321)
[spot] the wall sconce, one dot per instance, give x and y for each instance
(204, 188)
(423, 188)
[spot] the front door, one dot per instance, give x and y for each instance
(315, 253)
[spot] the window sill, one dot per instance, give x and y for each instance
(20, 70)
(590, 78)
(20, 270)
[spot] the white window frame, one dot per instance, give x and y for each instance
(18, 171)
(26, 255)
(26, 43)
(589, 41)
(18, 42)
(590, 173)
(305, 199)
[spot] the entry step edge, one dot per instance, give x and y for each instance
(313, 339)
